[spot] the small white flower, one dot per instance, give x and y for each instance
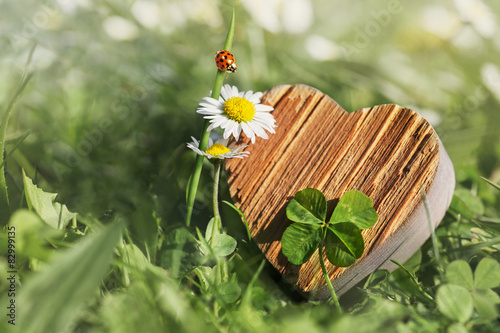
(238, 111)
(218, 150)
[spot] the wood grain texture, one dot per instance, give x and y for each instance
(388, 152)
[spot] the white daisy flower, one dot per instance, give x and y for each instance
(218, 150)
(238, 111)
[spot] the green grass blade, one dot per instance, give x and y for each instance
(7, 155)
(424, 296)
(52, 298)
(4, 197)
(230, 34)
(435, 246)
(491, 183)
(195, 178)
(243, 216)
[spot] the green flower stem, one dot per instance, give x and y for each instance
(217, 225)
(216, 189)
(195, 177)
(325, 274)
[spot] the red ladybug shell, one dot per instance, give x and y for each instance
(225, 61)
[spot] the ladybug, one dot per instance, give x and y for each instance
(225, 61)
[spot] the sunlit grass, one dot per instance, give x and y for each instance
(108, 117)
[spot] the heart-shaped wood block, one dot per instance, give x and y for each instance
(388, 152)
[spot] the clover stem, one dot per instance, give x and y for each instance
(325, 274)
(195, 177)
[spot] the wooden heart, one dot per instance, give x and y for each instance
(388, 152)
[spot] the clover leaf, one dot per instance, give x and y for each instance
(343, 244)
(300, 241)
(341, 235)
(466, 291)
(308, 206)
(357, 208)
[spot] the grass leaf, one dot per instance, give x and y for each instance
(179, 252)
(53, 297)
(473, 202)
(242, 215)
(53, 213)
(491, 183)
(18, 142)
(459, 207)
(4, 197)
(144, 226)
(32, 235)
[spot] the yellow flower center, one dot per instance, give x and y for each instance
(239, 109)
(217, 149)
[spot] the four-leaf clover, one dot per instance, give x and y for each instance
(341, 235)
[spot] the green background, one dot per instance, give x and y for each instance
(112, 104)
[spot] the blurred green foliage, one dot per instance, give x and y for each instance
(112, 103)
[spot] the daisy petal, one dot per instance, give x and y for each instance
(249, 132)
(249, 95)
(231, 153)
(225, 92)
(234, 91)
(263, 108)
(237, 131)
